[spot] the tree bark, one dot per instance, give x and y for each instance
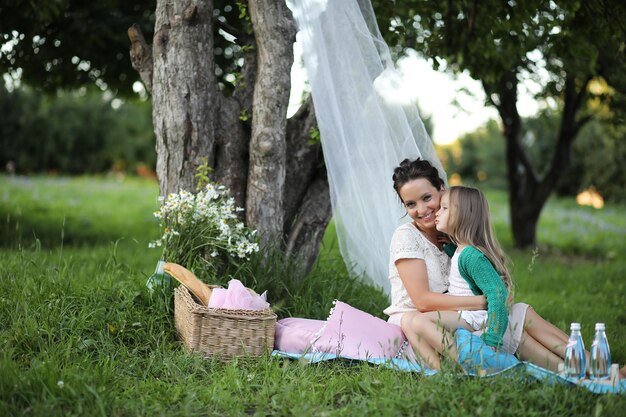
(307, 209)
(274, 25)
(184, 93)
(308, 228)
(233, 133)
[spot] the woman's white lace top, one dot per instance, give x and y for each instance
(409, 243)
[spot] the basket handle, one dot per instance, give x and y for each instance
(201, 290)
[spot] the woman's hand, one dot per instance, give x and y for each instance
(484, 299)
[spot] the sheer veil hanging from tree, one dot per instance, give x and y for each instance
(367, 126)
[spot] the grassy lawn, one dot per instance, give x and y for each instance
(79, 336)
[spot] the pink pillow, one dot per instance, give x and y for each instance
(350, 332)
(295, 335)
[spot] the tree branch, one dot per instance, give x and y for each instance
(569, 129)
(232, 138)
(471, 19)
(141, 56)
(580, 96)
(582, 122)
(512, 122)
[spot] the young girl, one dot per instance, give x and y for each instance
(478, 264)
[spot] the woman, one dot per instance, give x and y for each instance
(419, 269)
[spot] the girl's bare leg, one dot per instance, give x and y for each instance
(449, 320)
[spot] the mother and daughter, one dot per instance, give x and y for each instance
(447, 271)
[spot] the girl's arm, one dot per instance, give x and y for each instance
(414, 276)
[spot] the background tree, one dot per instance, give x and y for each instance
(561, 45)
(219, 77)
(598, 155)
(74, 133)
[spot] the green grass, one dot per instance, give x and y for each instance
(79, 336)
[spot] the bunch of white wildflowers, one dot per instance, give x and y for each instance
(202, 231)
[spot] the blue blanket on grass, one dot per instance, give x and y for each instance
(477, 359)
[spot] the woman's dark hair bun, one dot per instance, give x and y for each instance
(412, 170)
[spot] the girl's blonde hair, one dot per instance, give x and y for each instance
(469, 223)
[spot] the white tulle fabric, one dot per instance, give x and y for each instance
(367, 126)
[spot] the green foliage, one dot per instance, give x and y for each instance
(71, 43)
(74, 133)
(477, 157)
(244, 116)
(74, 43)
(314, 136)
(599, 161)
(202, 174)
(80, 336)
(598, 156)
(490, 38)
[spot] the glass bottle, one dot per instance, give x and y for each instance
(159, 280)
(600, 360)
(575, 363)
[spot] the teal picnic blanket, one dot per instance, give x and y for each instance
(477, 359)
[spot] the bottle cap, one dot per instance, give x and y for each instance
(599, 326)
(575, 326)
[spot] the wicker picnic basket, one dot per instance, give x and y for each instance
(222, 332)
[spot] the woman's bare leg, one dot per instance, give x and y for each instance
(430, 334)
(412, 327)
(549, 335)
(546, 333)
(533, 351)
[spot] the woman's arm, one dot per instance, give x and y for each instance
(414, 276)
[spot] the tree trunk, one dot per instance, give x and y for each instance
(273, 23)
(264, 159)
(527, 192)
(307, 209)
(184, 93)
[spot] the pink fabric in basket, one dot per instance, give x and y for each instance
(350, 332)
(236, 297)
(295, 335)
